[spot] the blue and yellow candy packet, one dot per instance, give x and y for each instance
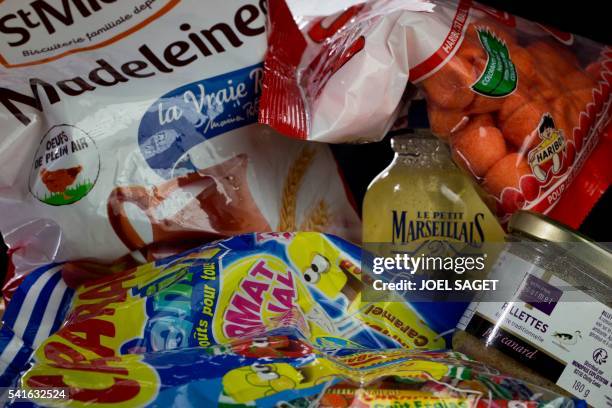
(282, 369)
(171, 331)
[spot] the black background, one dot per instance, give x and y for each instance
(587, 17)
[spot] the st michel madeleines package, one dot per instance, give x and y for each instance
(128, 125)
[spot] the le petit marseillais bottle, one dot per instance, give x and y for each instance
(423, 196)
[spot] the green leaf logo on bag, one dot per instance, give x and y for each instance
(499, 76)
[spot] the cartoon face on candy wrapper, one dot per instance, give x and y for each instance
(260, 380)
(323, 267)
(319, 273)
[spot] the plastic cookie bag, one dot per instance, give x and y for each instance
(132, 135)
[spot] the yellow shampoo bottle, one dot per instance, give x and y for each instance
(423, 196)
(418, 201)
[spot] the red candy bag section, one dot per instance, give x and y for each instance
(522, 106)
(336, 78)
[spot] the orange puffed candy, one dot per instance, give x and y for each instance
(593, 70)
(477, 149)
(450, 87)
(512, 102)
(471, 50)
(552, 58)
(524, 64)
(485, 104)
(519, 127)
(577, 80)
(580, 97)
(507, 172)
(476, 121)
(443, 121)
(548, 85)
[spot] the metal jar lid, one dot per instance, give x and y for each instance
(538, 227)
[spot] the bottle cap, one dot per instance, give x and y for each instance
(414, 143)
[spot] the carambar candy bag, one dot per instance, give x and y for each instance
(254, 320)
(131, 124)
(522, 105)
(283, 369)
(233, 289)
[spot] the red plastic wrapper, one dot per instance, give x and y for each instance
(522, 105)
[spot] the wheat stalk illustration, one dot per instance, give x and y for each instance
(294, 179)
(318, 218)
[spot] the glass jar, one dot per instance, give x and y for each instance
(551, 321)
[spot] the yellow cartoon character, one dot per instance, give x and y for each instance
(323, 266)
(332, 273)
(259, 380)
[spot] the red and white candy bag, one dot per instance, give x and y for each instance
(522, 105)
